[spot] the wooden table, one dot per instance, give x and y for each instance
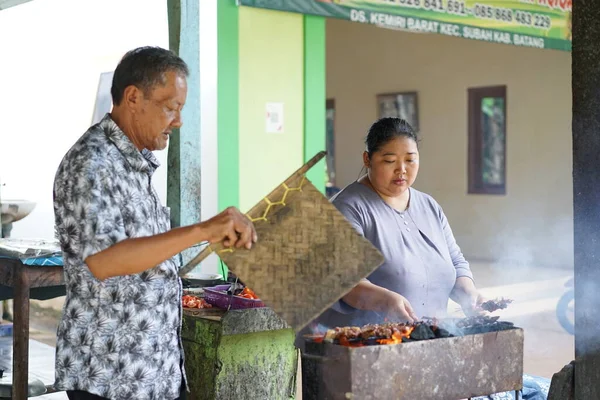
(22, 278)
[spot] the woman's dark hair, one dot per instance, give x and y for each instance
(144, 68)
(386, 129)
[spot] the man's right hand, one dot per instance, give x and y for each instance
(134, 255)
(230, 227)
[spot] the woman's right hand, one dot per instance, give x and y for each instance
(368, 296)
(399, 308)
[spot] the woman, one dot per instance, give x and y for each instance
(424, 267)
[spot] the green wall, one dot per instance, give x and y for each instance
(267, 56)
(271, 57)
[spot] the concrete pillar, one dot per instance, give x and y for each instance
(586, 196)
(6, 230)
(192, 186)
(184, 161)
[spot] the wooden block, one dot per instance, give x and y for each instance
(562, 386)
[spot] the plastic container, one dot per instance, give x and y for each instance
(6, 329)
(218, 297)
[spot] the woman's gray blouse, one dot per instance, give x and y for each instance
(422, 259)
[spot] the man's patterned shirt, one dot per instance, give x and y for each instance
(118, 338)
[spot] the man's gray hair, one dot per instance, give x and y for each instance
(144, 68)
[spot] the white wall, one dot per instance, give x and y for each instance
(52, 53)
(532, 224)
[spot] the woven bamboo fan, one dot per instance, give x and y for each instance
(307, 255)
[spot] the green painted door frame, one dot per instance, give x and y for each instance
(228, 104)
(314, 95)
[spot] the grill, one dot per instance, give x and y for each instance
(481, 359)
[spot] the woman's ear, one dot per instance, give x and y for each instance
(366, 161)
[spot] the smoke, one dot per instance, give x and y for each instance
(319, 329)
(587, 297)
(331, 319)
(530, 261)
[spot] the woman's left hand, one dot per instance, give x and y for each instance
(472, 305)
(468, 297)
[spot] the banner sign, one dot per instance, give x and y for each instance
(544, 24)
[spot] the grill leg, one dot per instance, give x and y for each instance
(517, 394)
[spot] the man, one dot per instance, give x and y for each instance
(119, 337)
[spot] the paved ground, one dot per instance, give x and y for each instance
(41, 363)
(535, 292)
